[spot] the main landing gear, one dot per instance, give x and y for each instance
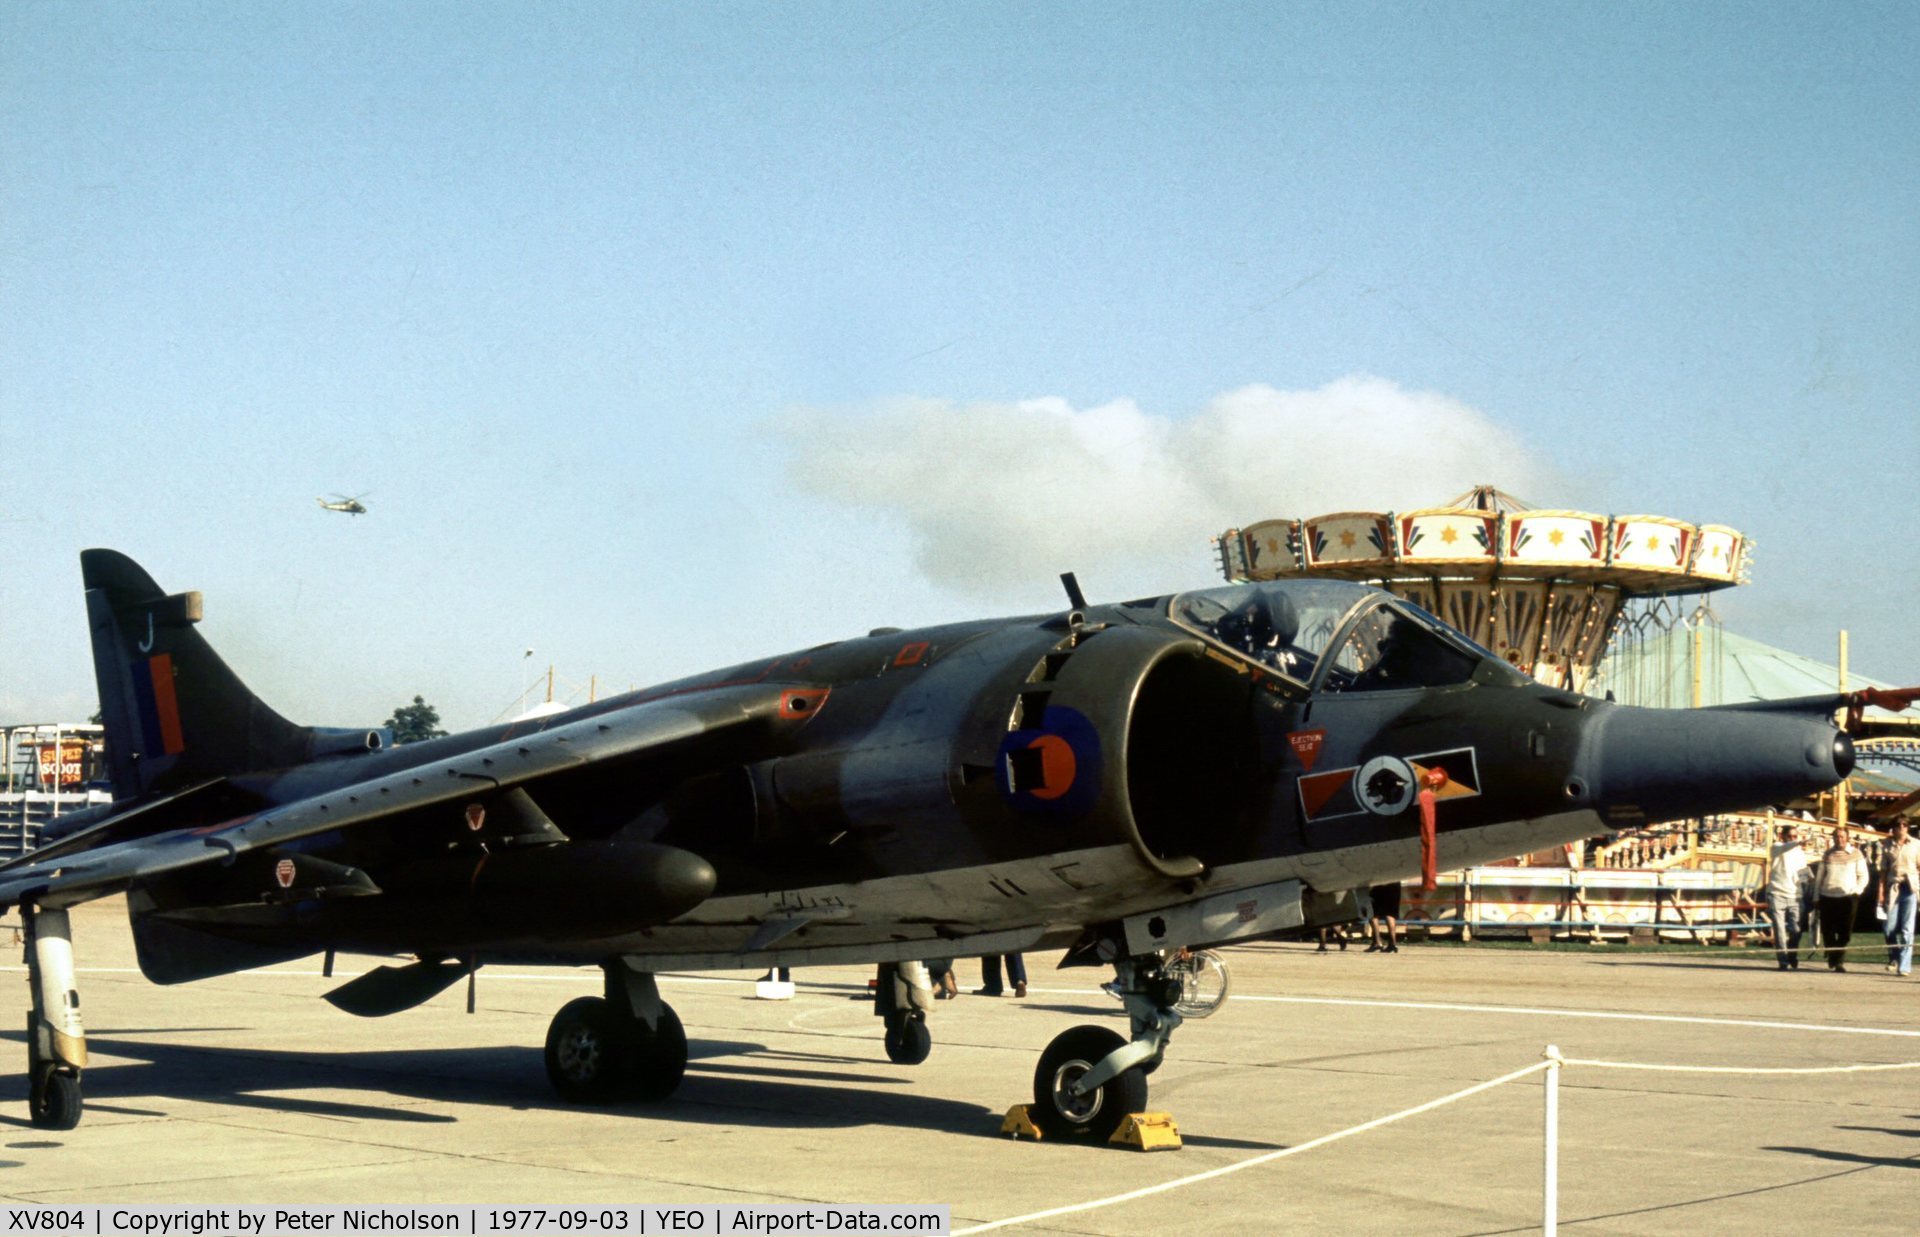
(1089, 1079)
(56, 1042)
(627, 1045)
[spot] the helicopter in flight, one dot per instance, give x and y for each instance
(341, 503)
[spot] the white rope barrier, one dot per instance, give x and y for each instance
(1257, 1160)
(1738, 1069)
(1550, 1184)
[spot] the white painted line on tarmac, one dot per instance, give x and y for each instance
(567, 975)
(1258, 1160)
(1529, 1011)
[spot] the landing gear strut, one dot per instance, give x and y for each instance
(627, 1045)
(1089, 1079)
(901, 998)
(56, 1041)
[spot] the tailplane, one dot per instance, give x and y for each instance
(175, 714)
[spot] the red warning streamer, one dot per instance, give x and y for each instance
(1429, 840)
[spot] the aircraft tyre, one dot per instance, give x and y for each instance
(591, 1051)
(659, 1056)
(55, 1101)
(1092, 1117)
(909, 1042)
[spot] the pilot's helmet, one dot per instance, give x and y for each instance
(1269, 620)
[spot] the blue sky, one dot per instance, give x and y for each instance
(669, 335)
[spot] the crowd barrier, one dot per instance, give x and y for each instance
(1551, 1064)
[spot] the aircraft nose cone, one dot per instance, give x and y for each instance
(1671, 763)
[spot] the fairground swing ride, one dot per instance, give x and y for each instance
(1554, 592)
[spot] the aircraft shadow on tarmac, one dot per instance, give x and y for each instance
(1755, 964)
(1851, 1157)
(1880, 1129)
(735, 1092)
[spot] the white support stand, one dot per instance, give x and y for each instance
(773, 987)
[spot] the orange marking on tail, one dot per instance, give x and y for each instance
(166, 704)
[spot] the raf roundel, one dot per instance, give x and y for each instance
(1053, 767)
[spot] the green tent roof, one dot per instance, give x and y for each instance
(1734, 668)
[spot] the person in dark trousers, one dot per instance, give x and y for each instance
(940, 971)
(1386, 918)
(1843, 876)
(990, 984)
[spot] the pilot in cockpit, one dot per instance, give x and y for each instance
(1264, 628)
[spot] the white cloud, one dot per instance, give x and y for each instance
(997, 497)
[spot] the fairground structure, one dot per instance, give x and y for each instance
(46, 770)
(1613, 605)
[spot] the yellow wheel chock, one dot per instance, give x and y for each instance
(1148, 1131)
(1018, 1125)
(1143, 1131)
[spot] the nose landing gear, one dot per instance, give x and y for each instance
(1090, 1079)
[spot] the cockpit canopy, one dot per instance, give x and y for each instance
(1346, 637)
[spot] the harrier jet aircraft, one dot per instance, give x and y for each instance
(1123, 781)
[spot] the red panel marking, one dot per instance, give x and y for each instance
(476, 816)
(911, 654)
(1058, 766)
(166, 704)
(1316, 790)
(283, 873)
(802, 701)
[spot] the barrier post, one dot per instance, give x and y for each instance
(1550, 1192)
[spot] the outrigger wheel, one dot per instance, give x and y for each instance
(53, 1098)
(56, 1042)
(900, 998)
(1095, 1115)
(909, 1042)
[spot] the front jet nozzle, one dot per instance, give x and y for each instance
(1668, 764)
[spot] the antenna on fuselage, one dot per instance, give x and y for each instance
(1075, 597)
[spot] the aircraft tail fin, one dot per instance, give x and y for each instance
(174, 713)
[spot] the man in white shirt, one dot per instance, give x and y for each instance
(1785, 863)
(1843, 877)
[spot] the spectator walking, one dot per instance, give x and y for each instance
(1386, 918)
(990, 984)
(1899, 878)
(1843, 875)
(1785, 862)
(1810, 844)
